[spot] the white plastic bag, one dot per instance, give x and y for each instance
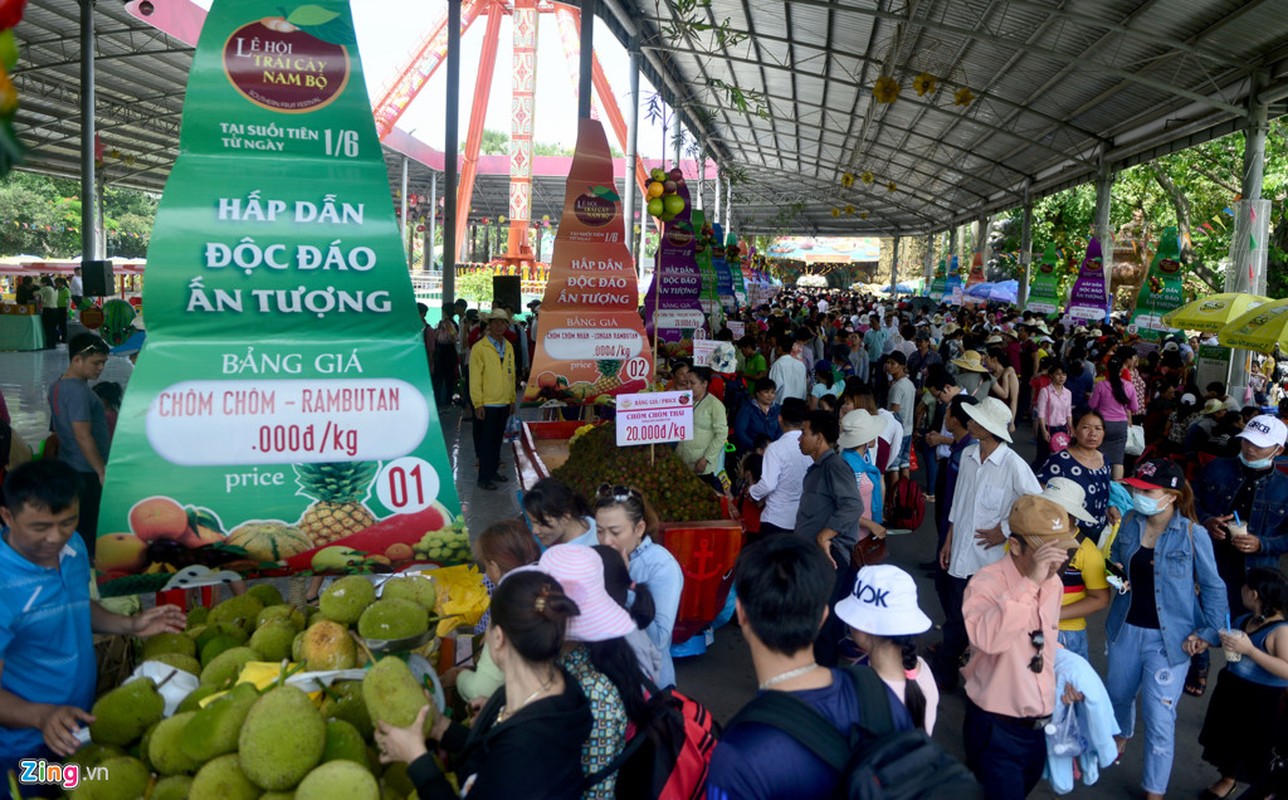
(1135, 440)
(1064, 737)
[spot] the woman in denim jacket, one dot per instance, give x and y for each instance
(1152, 626)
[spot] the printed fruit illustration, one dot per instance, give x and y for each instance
(656, 207)
(339, 491)
(673, 205)
(158, 518)
(337, 559)
(447, 544)
(547, 380)
(597, 206)
(269, 540)
(1169, 265)
(121, 552)
(399, 551)
(657, 174)
(278, 24)
(607, 380)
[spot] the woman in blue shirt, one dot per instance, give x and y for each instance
(1151, 628)
(624, 519)
(757, 418)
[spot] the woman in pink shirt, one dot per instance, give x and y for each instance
(1116, 400)
(1054, 411)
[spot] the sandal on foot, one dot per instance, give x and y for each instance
(1196, 681)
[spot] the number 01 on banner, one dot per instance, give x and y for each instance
(654, 417)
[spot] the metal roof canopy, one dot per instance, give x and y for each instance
(1062, 89)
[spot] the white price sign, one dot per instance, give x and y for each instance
(654, 417)
(702, 350)
(738, 329)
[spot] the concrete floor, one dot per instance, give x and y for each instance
(722, 678)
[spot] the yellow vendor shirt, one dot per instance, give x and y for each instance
(1085, 571)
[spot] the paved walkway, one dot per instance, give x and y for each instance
(722, 678)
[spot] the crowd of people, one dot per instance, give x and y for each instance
(1153, 508)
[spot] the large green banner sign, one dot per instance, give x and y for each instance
(1162, 290)
(1044, 287)
(278, 418)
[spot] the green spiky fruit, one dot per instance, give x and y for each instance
(172, 787)
(93, 754)
(164, 752)
(241, 610)
(123, 714)
(272, 640)
(227, 665)
(327, 645)
(282, 739)
(128, 778)
(343, 741)
(215, 728)
(179, 661)
(346, 599)
(217, 646)
(416, 589)
(338, 780)
(223, 779)
(168, 643)
(393, 694)
(216, 629)
(393, 619)
(193, 701)
(281, 611)
(197, 615)
(344, 701)
(266, 593)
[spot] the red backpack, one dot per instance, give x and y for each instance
(669, 755)
(906, 507)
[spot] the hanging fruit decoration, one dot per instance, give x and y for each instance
(836, 212)
(886, 89)
(849, 211)
(11, 151)
(847, 180)
(963, 97)
(663, 188)
(925, 84)
(891, 186)
(863, 215)
(868, 178)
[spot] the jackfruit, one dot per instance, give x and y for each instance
(123, 714)
(344, 742)
(140, 750)
(266, 593)
(297, 647)
(217, 629)
(344, 701)
(91, 755)
(282, 739)
(217, 647)
(338, 780)
(241, 610)
(328, 645)
(393, 619)
(197, 615)
(395, 782)
(417, 590)
(272, 640)
(172, 787)
(314, 615)
(168, 643)
(164, 753)
(194, 631)
(179, 661)
(277, 796)
(393, 695)
(193, 701)
(223, 779)
(128, 780)
(346, 599)
(227, 665)
(214, 730)
(281, 611)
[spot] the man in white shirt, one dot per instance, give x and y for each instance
(783, 473)
(991, 479)
(823, 305)
(788, 374)
(902, 402)
(77, 288)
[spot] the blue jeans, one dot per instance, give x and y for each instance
(1138, 666)
(1076, 642)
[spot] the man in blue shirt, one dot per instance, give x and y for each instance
(783, 585)
(47, 620)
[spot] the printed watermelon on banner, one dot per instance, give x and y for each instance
(378, 538)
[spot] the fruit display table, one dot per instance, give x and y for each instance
(21, 332)
(706, 549)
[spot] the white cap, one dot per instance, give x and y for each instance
(1265, 430)
(883, 602)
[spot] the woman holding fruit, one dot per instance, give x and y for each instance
(624, 519)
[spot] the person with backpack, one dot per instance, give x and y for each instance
(884, 621)
(783, 586)
(526, 741)
(1011, 611)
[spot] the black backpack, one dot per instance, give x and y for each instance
(876, 761)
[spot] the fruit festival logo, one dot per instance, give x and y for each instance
(291, 64)
(597, 207)
(39, 772)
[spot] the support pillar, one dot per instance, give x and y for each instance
(524, 22)
(928, 268)
(894, 270)
(1104, 190)
(430, 223)
(451, 148)
(642, 244)
(478, 114)
(402, 207)
(729, 206)
(982, 226)
(719, 187)
(585, 77)
(676, 132)
(1248, 245)
(89, 190)
(1026, 250)
(629, 189)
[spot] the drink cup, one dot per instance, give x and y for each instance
(1236, 530)
(1230, 655)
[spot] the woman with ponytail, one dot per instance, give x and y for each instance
(1116, 400)
(884, 621)
(618, 584)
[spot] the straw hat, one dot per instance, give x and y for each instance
(993, 416)
(496, 313)
(992, 340)
(970, 361)
(859, 428)
(1212, 406)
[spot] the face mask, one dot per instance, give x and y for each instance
(1146, 505)
(1260, 463)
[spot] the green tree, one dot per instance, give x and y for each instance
(495, 143)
